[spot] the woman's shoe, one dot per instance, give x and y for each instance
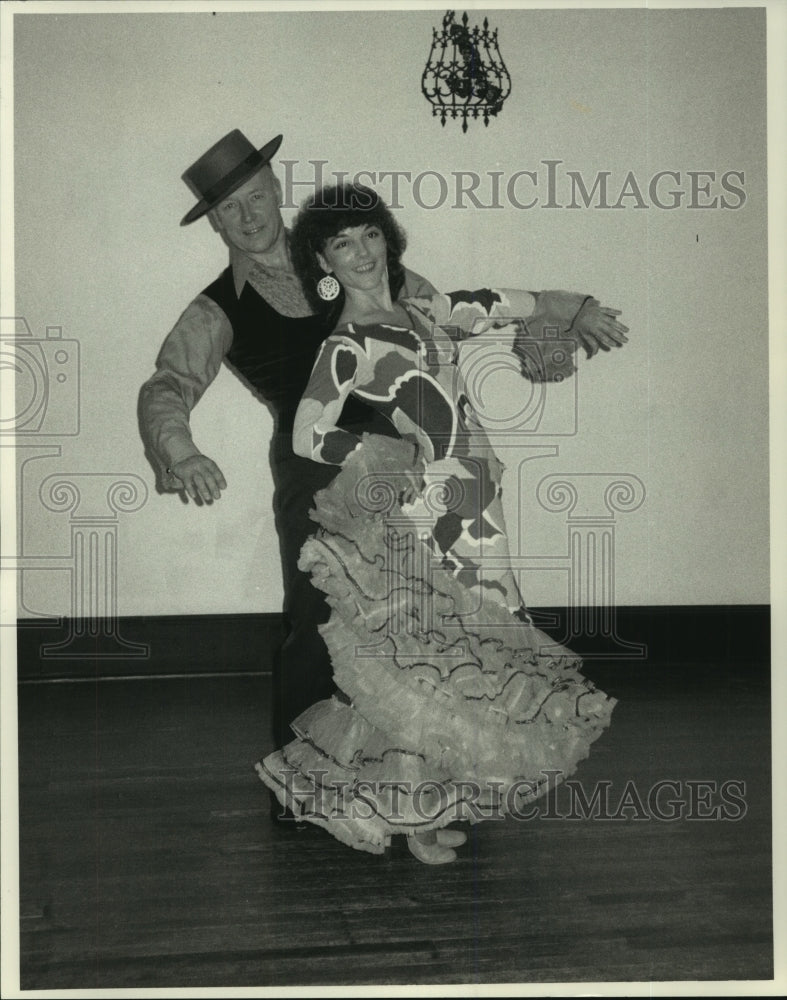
(430, 853)
(451, 838)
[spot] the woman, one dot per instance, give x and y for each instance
(452, 705)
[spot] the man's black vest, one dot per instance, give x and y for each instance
(275, 354)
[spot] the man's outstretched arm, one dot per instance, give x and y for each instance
(188, 362)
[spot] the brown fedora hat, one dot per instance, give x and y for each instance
(223, 169)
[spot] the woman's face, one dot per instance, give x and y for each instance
(357, 257)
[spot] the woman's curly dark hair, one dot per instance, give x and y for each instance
(326, 213)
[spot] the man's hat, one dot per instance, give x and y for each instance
(223, 169)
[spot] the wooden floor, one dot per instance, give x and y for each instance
(148, 858)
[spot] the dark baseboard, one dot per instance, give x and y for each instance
(150, 645)
(634, 638)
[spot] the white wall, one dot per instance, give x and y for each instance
(111, 108)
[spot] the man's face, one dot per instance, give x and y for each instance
(250, 218)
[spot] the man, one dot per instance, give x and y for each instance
(254, 318)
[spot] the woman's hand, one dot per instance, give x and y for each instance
(410, 491)
(598, 327)
(413, 480)
(200, 477)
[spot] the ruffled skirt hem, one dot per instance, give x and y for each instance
(451, 711)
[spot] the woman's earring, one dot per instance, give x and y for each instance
(328, 288)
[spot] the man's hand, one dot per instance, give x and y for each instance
(200, 477)
(598, 327)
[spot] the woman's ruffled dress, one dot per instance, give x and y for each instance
(450, 708)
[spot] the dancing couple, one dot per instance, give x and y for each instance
(450, 704)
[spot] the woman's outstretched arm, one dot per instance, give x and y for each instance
(576, 319)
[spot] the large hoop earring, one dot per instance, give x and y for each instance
(328, 288)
